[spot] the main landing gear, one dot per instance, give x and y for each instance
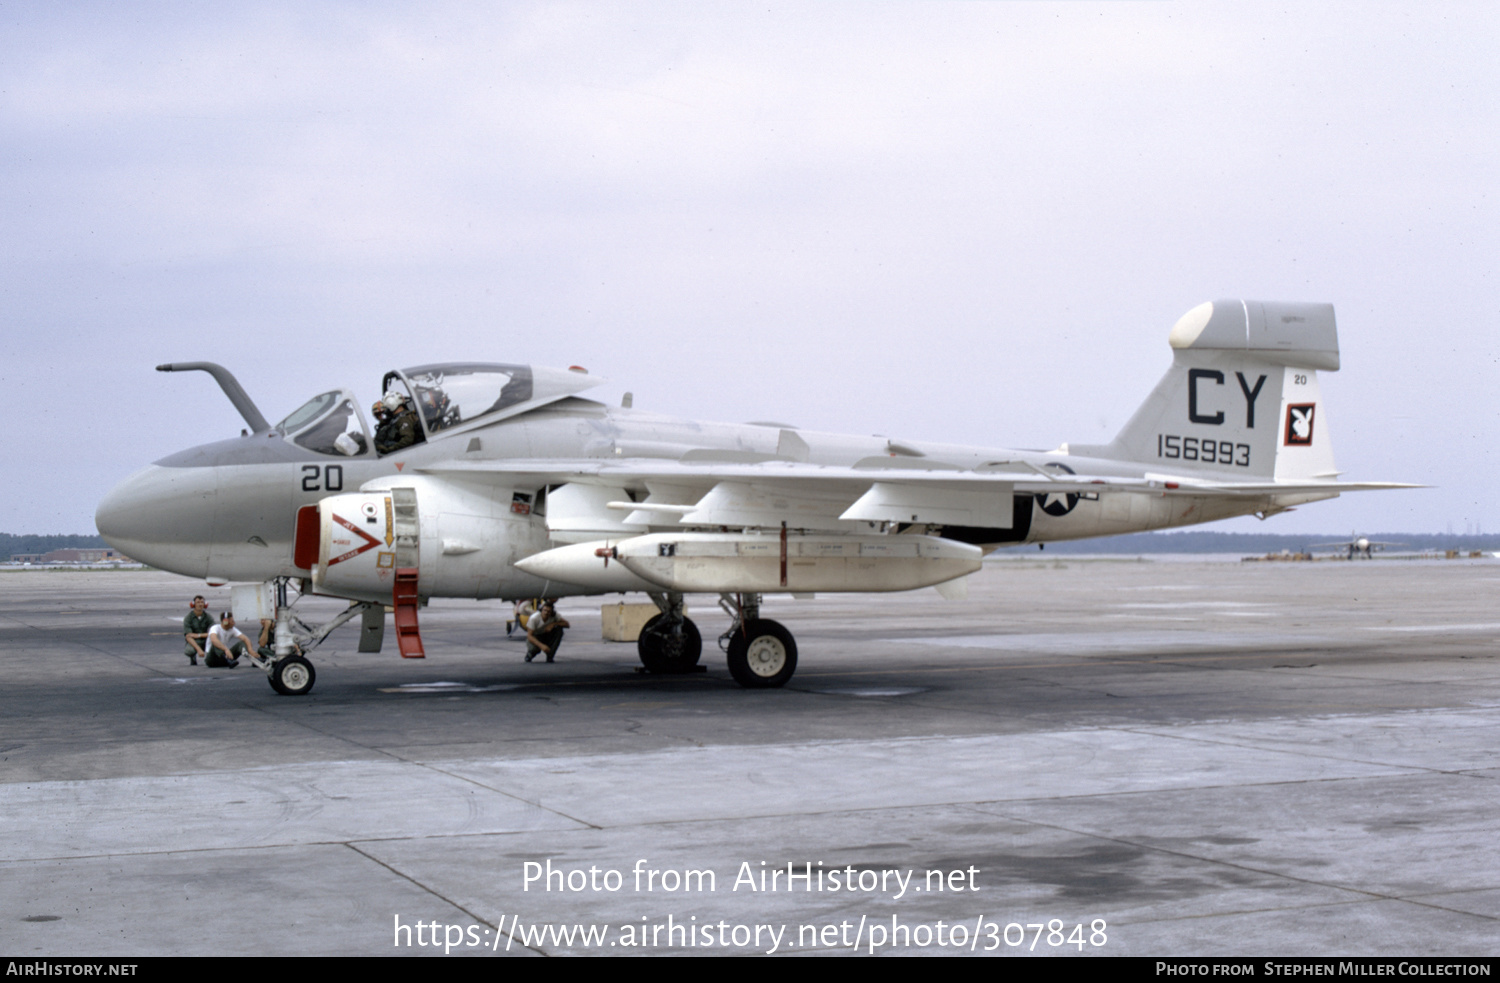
(761, 653)
(669, 643)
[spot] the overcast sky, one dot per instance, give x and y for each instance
(971, 222)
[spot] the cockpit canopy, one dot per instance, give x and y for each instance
(459, 392)
(446, 396)
(328, 424)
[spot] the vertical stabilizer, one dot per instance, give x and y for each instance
(1241, 395)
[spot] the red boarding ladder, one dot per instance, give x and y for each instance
(405, 597)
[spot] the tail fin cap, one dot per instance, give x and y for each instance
(1302, 336)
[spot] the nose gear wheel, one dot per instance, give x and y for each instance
(293, 676)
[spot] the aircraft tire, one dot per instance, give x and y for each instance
(763, 655)
(293, 676)
(665, 651)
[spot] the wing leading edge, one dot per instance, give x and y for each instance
(768, 494)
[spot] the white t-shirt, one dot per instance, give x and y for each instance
(227, 637)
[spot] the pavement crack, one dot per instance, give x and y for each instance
(479, 919)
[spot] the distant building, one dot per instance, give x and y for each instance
(92, 555)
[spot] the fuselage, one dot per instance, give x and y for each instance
(227, 510)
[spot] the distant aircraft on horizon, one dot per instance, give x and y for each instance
(1358, 546)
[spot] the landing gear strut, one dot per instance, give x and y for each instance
(289, 673)
(762, 654)
(288, 670)
(669, 642)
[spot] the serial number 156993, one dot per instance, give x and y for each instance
(1175, 448)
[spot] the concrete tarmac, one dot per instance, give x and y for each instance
(1152, 758)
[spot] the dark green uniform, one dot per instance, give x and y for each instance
(401, 432)
(196, 624)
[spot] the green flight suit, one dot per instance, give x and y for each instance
(400, 432)
(196, 624)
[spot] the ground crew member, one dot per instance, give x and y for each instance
(544, 632)
(226, 643)
(195, 630)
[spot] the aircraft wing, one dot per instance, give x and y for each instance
(768, 493)
(1036, 481)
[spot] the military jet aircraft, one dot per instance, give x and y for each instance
(516, 486)
(1358, 546)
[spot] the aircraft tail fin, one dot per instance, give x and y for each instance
(1241, 395)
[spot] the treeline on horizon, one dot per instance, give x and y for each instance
(32, 543)
(1251, 544)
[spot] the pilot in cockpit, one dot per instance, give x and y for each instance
(402, 430)
(382, 418)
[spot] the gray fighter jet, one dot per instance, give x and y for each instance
(1358, 546)
(502, 481)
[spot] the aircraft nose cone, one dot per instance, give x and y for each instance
(162, 517)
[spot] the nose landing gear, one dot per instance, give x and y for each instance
(292, 676)
(287, 668)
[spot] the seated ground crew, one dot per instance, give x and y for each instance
(226, 643)
(195, 629)
(544, 632)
